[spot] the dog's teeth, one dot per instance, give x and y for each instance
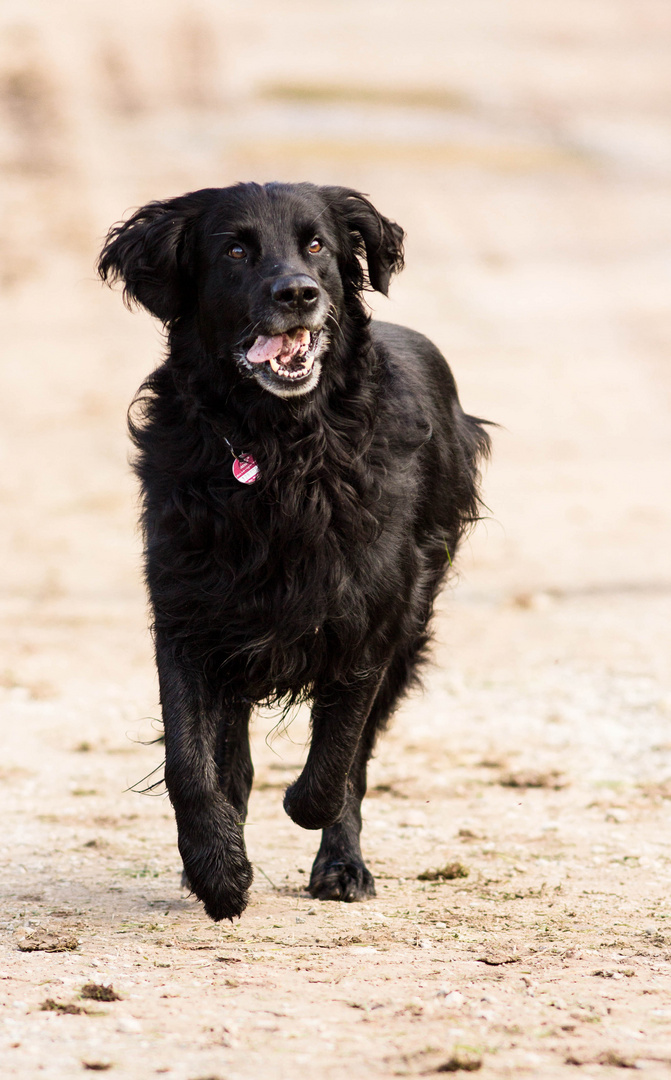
(286, 372)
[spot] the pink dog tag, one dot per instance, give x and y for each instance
(245, 470)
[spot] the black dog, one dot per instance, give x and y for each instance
(307, 475)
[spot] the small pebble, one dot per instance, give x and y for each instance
(128, 1025)
(451, 999)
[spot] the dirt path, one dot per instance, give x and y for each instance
(527, 156)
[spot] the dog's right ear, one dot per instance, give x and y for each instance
(146, 253)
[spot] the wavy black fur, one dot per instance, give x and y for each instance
(317, 582)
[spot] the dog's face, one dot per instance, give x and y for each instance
(270, 284)
(264, 271)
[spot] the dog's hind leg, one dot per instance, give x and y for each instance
(207, 777)
(320, 795)
(339, 872)
(233, 757)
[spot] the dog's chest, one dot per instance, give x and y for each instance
(279, 595)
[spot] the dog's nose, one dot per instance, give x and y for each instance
(295, 291)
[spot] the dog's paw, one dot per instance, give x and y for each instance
(311, 810)
(216, 869)
(341, 879)
(225, 901)
(221, 883)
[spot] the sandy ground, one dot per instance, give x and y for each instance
(525, 147)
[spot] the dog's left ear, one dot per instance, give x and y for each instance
(380, 238)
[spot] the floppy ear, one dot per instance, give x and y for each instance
(145, 253)
(380, 238)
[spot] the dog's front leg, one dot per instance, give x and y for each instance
(318, 798)
(209, 827)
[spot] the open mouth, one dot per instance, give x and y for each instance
(290, 355)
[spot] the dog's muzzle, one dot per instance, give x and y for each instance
(286, 363)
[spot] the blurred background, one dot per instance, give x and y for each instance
(526, 149)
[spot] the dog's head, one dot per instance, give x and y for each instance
(265, 271)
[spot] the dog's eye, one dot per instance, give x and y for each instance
(236, 251)
(315, 247)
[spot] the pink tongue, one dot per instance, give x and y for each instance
(282, 347)
(265, 347)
